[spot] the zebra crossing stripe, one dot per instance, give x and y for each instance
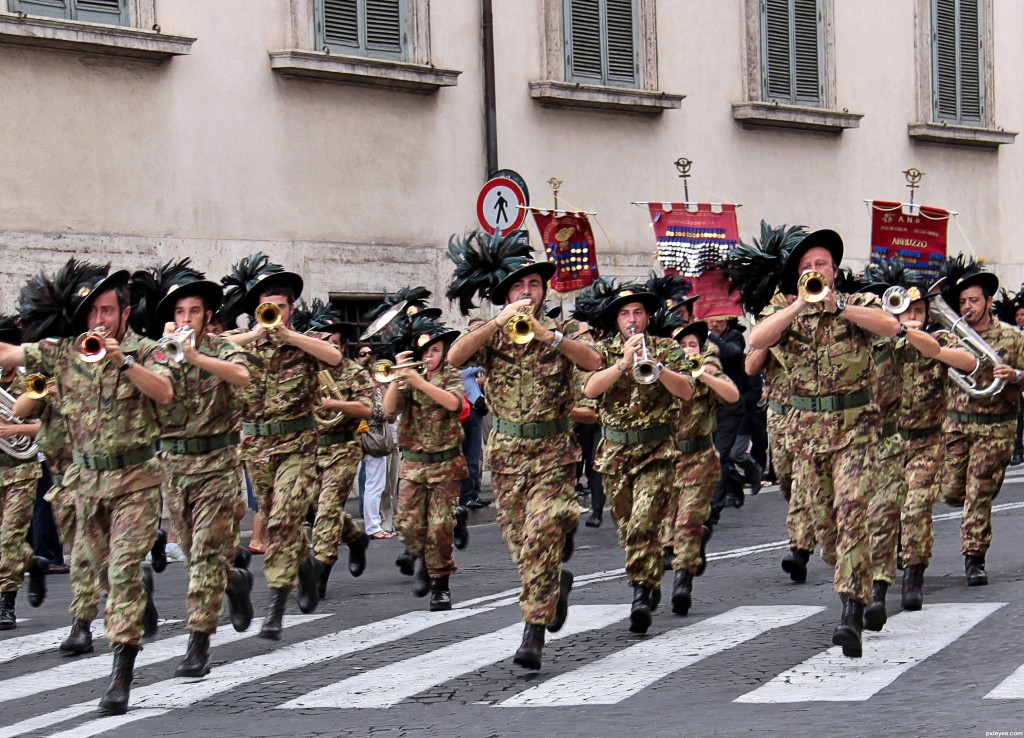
(105, 724)
(48, 640)
(395, 682)
(612, 679)
(907, 639)
(86, 669)
(1011, 688)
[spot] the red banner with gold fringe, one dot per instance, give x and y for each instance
(569, 245)
(917, 234)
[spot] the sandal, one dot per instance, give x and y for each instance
(381, 535)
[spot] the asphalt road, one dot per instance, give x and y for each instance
(753, 657)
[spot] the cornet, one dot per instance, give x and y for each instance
(645, 370)
(385, 371)
(812, 287)
(91, 345)
(897, 299)
(35, 386)
(696, 363)
(174, 343)
(519, 329)
(267, 315)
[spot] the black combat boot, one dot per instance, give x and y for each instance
(309, 584)
(440, 594)
(197, 656)
(421, 584)
(271, 628)
(325, 574)
(655, 597)
(37, 580)
(595, 519)
(682, 588)
(562, 608)
(357, 554)
(668, 555)
(640, 614)
(8, 620)
(974, 568)
(239, 592)
(913, 580)
(115, 699)
(569, 547)
(79, 640)
(406, 563)
(874, 614)
(705, 536)
(158, 554)
(242, 557)
(460, 534)
(847, 633)
(150, 617)
(528, 655)
(795, 564)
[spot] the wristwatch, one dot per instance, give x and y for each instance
(129, 362)
(840, 305)
(558, 339)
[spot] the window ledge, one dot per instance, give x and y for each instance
(91, 38)
(352, 70)
(552, 94)
(795, 117)
(990, 138)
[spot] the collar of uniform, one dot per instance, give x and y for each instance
(130, 342)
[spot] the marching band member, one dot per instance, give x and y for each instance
(532, 450)
(433, 467)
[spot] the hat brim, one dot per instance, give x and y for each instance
(544, 268)
(211, 293)
(649, 300)
(826, 239)
(114, 281)
(280, 279)
(448, 337)
(875, 288)
(432, 313)
(988, 282)
(697, 328)
(11, 336)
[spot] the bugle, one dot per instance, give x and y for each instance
(385, 371)
(267, 315)
(812, 287)
(174, 343)
(519, 329)
(645, 369)
(35, 386)
(91, 345)
(696, 364)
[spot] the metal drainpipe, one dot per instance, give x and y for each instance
(490, 114)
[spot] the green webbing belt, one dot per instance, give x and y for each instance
(912, 434)
(531, 430)
(110, 462)
(199, 444)
(333, 439)
(450, 453)
(831, 403)
(693, 445)
(778, 408)
(279, 428)
(981, 419)
(888, 429)
(633, 437)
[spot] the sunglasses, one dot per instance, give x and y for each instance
(363, 353)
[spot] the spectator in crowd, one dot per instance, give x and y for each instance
(473, 430)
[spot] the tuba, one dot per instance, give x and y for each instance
(19, 447)
(956, 326)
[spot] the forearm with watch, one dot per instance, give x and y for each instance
(154, 386)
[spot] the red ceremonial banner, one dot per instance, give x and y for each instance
(569, 245)
(693, 243)
(919, 239)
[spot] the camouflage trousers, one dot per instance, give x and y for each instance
(690, 505)
(426, 521)
(284, 485)
(974, 470)
(85, 590)
(535, 512)
(887, 501)
(333, 525)
(778, 447)
(838, 485)
(115, 534)
(924, 461)
(16, 501)
(638, 503)
(204, 510)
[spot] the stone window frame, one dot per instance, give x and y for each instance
(302, 59)
(555, 91)
(756, 112)
(141, 40)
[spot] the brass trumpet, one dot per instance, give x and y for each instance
(896, 300)
(174, 343)
(91, 345)
(519, 329)
(812, 287)
(385, 371)
(35, 386)
(645, 370)
(267, 315)
(696, 364)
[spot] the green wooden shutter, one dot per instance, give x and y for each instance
(791, 52)
(111, 12)
(366, 27)
(600, 41)
(338, 24)
(48, 8)
(620, 33)
(958, 89)
(384, 31)
(583, 39)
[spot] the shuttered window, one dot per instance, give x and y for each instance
(958, 88)
(110, 12)
(362, 27)
(601, 42)
(792, 52)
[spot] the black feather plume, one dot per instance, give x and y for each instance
(323, 312)
(302, 317)
(669, 287)
(954, 269)
(412, 295)
(481, 262)
(1006, 305)
(594, 298)
(44, 301)
(663, 322)
(148, 286)
(755, 270)
(893, 272)
(236, 283)
(409, 330)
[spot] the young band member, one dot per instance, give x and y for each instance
(826, 345)
(433, 467)
(637, 455)
(532, 450)
(110, 384)
(279, 446)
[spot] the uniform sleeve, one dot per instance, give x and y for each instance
(768, 312)
(42, 357)
(453, 383)
(362, 387)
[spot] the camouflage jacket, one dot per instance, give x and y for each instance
(106, 413)
(205, 405)
(776, 378)
(427, 427)
(1008, 342)
(888, 389)
(52, 438)
(355, 385)
(628, 405)
(696, 417)
(923, 395)
(527, 384)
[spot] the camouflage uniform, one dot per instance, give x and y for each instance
(18, 480)
(697, 470)
(922, 410)
(278, 449)
(337, 458)
(639, 471)
(429, 488)
(979, 442)
(890, 484)
(799, 520)
(199, 449)
(532, 453)
(115, 475)
(828, 356)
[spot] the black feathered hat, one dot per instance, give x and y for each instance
(86, 292)
(826, 239)
(325, 318)
(1007, 305)
(672, 290)
(755, 270)
(251, 277)
(155, 292)
(415, 299)
(487, 266)
(593, 299)
(45, 302)
(665, 323)
(960, 272)
(10, 329)
(625, 295)
(419, 333)
(697, 328)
